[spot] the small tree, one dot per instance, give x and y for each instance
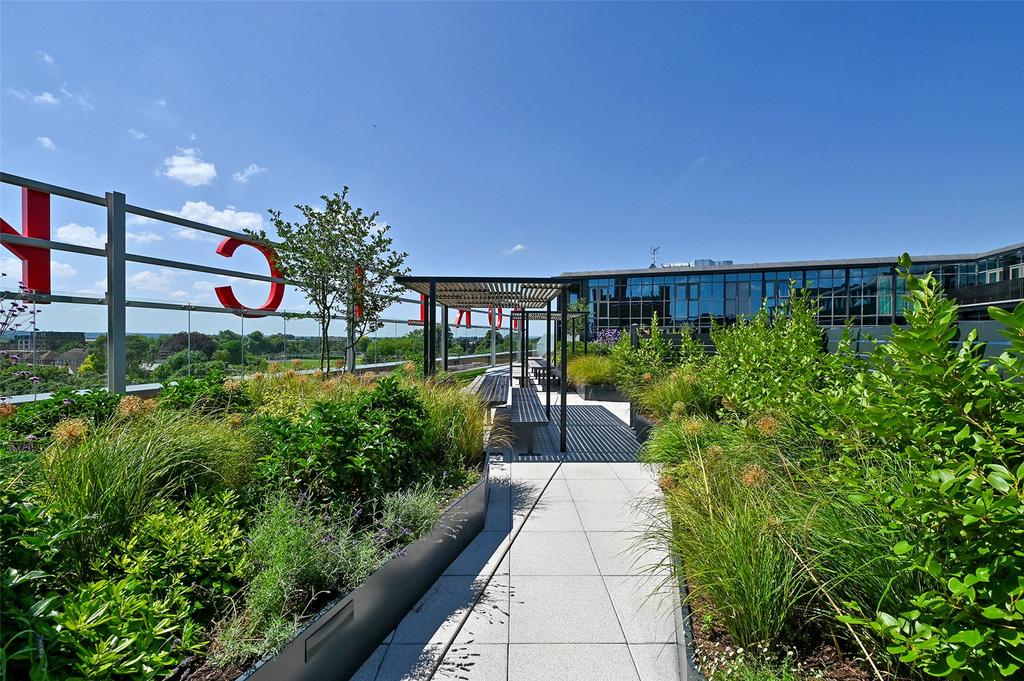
(342, 260)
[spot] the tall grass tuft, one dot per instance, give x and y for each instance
(456, 424)
(111, 477)
(591, 370)
(680, 392)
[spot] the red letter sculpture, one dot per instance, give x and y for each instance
(227, 297)
(35, 223)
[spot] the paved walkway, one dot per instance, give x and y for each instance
(577, 595)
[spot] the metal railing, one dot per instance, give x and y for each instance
(116, 255)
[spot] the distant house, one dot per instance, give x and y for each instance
(72, 359)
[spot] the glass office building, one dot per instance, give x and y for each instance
(866, 291)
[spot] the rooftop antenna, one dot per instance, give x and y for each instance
(654, 255)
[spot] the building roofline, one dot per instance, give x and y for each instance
(787, 265)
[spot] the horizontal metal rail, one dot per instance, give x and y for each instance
(7, 178)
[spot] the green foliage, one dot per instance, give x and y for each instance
(767, 362)
(364, 446)
(201, 548)
(874, 499)
(119, 628)
(636, 368)
(209, 393)
(956, 419)
(683, 391)
(110, 478)
(342, 260)
(454, 427)
(590, 370)
(35, 420)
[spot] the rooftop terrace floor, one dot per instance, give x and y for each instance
(570, 590)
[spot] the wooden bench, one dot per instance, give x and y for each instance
(527, 414)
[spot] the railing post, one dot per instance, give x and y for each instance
(116, 297)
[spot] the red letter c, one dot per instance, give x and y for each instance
(227, 297)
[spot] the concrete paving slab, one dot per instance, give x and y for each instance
(482, 555)
(599, 490)
(656, 661)
(579, 662)
(645, 607)
(625, 553)
(552, 553)
(609, 516)
(368, 672)
(526, 470)
(435, 618)
(408, 662)
(636, 471)
(588, 471)
(556, 516)
(562, 610)
(476, 662)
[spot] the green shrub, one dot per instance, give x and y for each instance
(35, 420)
(681, 392)
(200, 548)
(590, 370)
(956, 418)
(636, 368)
(120, 629)
(454, 427)
(209, 394)
(365, 446)
(111, 477)
(297, 553)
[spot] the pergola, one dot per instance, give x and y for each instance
(529, 298)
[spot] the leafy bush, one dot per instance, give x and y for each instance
(210, 394)
(590, 370)
(956, 418)
(119, 628)
(636, 368)
(683, 391)
(112, 477)
(362, 447)
(454, 427)
(35, 420)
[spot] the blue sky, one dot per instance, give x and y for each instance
(522, 139)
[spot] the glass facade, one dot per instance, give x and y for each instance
(867, 293)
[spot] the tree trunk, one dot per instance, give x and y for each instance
(325, 346)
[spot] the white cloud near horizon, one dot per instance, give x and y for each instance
(45, 98)
(143, 237)
(188, 166)
(46, 143)
(74, 233)
(518, 248)
(242, 177)
(137, 134)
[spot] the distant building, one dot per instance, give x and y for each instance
(865, 291)
(22, 341)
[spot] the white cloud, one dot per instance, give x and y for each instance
(143, 237)
(75, 233)
(518, 248)
(62, 270)
(179, 294)
(243, 176)
(137, 134)
(161, 102)
(152, 280)
(46, 143)
(228, 218)
(46, 57)
(76, 97)
(188, 166)
(21, 94)
(45, 98)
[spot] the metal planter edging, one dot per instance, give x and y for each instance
(640, 424)
(335, 644)
(685, 648)
(602, 393)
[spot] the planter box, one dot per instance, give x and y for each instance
(685, 649)
(640, 424)
(344, 634)
(601, 393)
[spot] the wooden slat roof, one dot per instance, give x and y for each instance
(463, 292)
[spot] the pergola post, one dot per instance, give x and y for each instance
(431, 326)
(444, 337)
(523, 350)
(494, 338)
(547, 358)
(511, 345)
(563, 308)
